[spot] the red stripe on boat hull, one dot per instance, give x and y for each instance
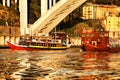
(18, 47)
(95, 48)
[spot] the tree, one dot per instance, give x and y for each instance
(34, 6)
(79, 28)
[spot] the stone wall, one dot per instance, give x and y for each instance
(8, 30)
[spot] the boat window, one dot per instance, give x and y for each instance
(50, 45)
(106, 35)
(38, 44)
(83, 35)
(54, 45)
(94, 43)
(101, 35)
(42, 44)
(88, 35)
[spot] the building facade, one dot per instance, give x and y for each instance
(92, 11)
(112, 23)
(108, 14)
(113, 26)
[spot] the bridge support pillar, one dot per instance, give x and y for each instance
(50, 5)
(54, 1)
(16, 1)
(23, 17)
(44, 6)
(3, 1)
(8, 3)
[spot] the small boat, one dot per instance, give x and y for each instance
(57, 43)
(98, 41)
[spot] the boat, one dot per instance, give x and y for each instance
(99, 41)
(57, 42)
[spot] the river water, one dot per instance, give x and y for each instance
(70, 64)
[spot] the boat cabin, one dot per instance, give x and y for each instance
(57, 39)
(100, 38)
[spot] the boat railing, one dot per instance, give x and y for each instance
(114, 43)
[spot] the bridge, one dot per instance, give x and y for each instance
(58, 10)
(50, 18)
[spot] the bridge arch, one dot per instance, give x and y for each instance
(51, 16)
(54, 16)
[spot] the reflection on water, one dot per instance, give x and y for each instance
(59, 65)
(95, 61)
(95, 64)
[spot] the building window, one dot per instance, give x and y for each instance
(110, 13)
(118, 14)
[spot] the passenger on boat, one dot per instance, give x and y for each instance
(64, 43)
(22, 41)
(34, 40)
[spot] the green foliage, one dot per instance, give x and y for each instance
(70, 31)
(34, 12)
(1, 7)
(2, 22)
(9, 15)
(79, 28)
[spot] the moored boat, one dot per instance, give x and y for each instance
(39, 46)
(98, 41)
(59, 42)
